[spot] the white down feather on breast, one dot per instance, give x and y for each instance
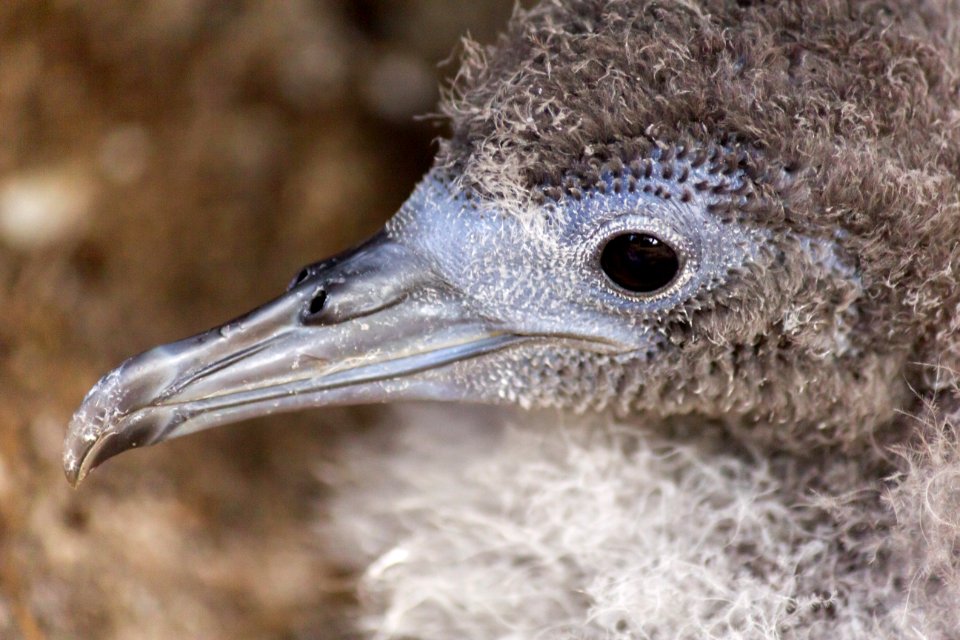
(474, 523)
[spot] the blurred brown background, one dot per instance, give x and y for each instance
(164, 166)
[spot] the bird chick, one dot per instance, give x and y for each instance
(732, 223)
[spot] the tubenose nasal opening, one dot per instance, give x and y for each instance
(316, 306)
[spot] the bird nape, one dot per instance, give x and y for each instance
(725, 217)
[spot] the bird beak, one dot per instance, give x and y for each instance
(371, 325)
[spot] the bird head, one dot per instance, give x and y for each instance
(656, 210)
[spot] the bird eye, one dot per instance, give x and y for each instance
(639, 262)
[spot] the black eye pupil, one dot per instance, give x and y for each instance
(639, 262)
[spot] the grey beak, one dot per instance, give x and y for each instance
(371, 325)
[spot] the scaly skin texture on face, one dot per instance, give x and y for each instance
(760, 327)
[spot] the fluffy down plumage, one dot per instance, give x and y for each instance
(534, 526)
(846, 115)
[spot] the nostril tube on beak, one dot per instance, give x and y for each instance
(317, 304)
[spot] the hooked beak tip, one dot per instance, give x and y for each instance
(74, 470)
(79, 461)
(88, 446)
(80, 457)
